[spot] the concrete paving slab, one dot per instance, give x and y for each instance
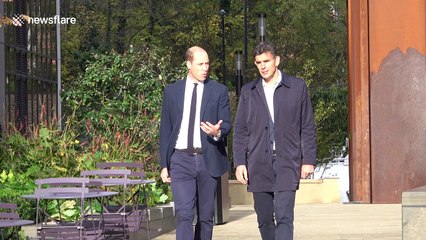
(334, 221)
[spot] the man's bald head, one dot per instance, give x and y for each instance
(189, 55)
(198, 63)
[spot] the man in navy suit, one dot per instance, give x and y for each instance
(195, 119)
(274, 142)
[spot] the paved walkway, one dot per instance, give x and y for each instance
(319, 222)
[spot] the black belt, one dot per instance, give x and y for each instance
(191, 151)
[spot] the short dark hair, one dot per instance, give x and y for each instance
(264, 47)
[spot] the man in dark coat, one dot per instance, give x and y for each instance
(274, 142)
(195, 119)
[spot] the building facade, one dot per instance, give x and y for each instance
(28, 64)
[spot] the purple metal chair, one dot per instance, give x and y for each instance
(10, 218)
(65, 188)
(135, 168)
(115, 213)
(138, 213)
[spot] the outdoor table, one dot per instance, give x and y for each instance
(62, 196)
(108, 182)
(5, 223)
(98, 194)
(14, 223)
(92, 224)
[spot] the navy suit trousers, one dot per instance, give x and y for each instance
(193, 190)
(275, 214)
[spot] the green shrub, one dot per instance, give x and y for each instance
(112, 114)
(117, 104)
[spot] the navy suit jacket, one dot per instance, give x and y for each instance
(214, 107)
(295, 135)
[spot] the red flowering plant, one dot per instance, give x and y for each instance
(111, 114)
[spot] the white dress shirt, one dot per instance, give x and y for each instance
(182, 140)
(269, 90)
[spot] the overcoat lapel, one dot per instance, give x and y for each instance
(261, 93)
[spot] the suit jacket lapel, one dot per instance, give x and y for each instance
(180, 97)
(206, 94)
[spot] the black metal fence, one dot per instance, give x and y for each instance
(29, 81)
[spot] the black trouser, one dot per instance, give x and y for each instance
(280, 203)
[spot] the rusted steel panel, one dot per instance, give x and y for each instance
(395, 24)
(397, 39)
(359, 119)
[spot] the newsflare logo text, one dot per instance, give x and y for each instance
(19, 20)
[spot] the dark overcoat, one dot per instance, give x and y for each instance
(294, 133)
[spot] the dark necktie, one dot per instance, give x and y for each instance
(192, 118)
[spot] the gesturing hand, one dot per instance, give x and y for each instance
(210, 129)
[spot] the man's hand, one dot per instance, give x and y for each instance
(306, 171)
(165, 175)
(211, 129)
(241, 173)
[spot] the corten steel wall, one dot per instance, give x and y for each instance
(359, 121)
(397, 97)
(387, 79)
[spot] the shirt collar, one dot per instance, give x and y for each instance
(191, 82)
(276, 83)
